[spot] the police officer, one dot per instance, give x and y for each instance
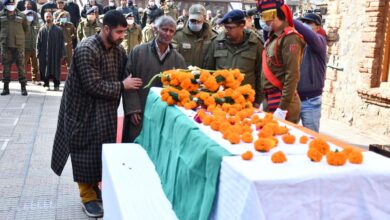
(60, 9)
(281, 61)
(239, 48)
(70, 34)
(89, 26)
(170, 9)
(13, 27)
(133, 34)
(30, 52)
(193, 40)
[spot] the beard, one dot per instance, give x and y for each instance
(112, 41)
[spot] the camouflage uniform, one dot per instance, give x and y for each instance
(12, 40)
(147, 33)
(70, 34)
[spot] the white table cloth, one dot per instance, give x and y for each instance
(131, 187)
(301, 189)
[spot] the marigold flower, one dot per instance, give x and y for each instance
(336, 158)
(234, 138)
(303, 139)
(320, 145)
(263, 144)
(355, 157)
(247, 155)
(266, 132)
(314, 155)
(288, 139)
(247, 137)
(278, 157)
(215, 125)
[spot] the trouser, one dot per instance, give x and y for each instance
(87, 192)
(9, 56)
(30, 55)
(293, 109)
(47, 79)
(69, 53)
(311, 113)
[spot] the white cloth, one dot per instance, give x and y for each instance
(301, 189)
(131, 187)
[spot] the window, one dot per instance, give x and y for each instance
(385, 67)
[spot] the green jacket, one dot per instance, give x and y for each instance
(31, 36)
(147, 34)
(172, 11)
(69, 31)
(86, 29)
(246, 57)
(193, 47)
(133, 37)
(289, 54)
(13, 29)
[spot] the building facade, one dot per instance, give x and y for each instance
(357, 87)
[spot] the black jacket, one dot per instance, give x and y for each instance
(151, 14)
(74, 11)
(20, 5)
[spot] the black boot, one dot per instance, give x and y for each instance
(23, 89)
(5, 89)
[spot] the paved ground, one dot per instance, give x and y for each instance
(28, 187)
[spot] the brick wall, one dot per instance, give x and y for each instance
(355, 35)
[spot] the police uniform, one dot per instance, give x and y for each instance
(133, 36)
(86, 28)
(70, 34)
(283, 56)
(13, 28)
(147, 33)
(222, 54)
(30, 53)
(193, 46)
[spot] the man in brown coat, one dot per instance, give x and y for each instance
(160, 56)
(88, 111)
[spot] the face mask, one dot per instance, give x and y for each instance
(264, 26)
(11, 7)
(63, 20)
(151, 4)
(130, 21)
(195, 27)
(30, 18)
(111, 4)
(91, 17)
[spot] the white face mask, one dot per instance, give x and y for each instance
(308, 26)
(152, 4)
(111, 4)
(195, 27)
(264, 26)
(130, 21)
(30, 18)
(11, 7)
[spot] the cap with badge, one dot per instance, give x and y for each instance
(197, 12)
(130, 14)
(268, 10)
(312, 17)
(233, 16)
(93, 9)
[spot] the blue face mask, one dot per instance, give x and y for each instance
(264, 26)
(195, 27)
(63, 20)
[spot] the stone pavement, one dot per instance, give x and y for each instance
(28, 187)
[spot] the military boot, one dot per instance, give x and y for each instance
(23, 89)
(5, 89)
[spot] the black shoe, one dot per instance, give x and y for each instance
(56, 88)
(5, 89)
(92, 209)
(23, 89)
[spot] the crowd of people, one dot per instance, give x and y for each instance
(111, 51)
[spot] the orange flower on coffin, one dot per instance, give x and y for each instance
(314, 155)
(303, 139)
(288, 139)
(347, 150)
(278, 157)
(336, 158)
(211, 84)
(247, 155)
(207, 120)
(264, 144)
(355, 157)
(234, 138)
(204, 75)
(247, 137)
(215, 125)
(281, 130)
(321, 145)
(266, 132)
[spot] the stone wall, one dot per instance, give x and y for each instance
(356, 40)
